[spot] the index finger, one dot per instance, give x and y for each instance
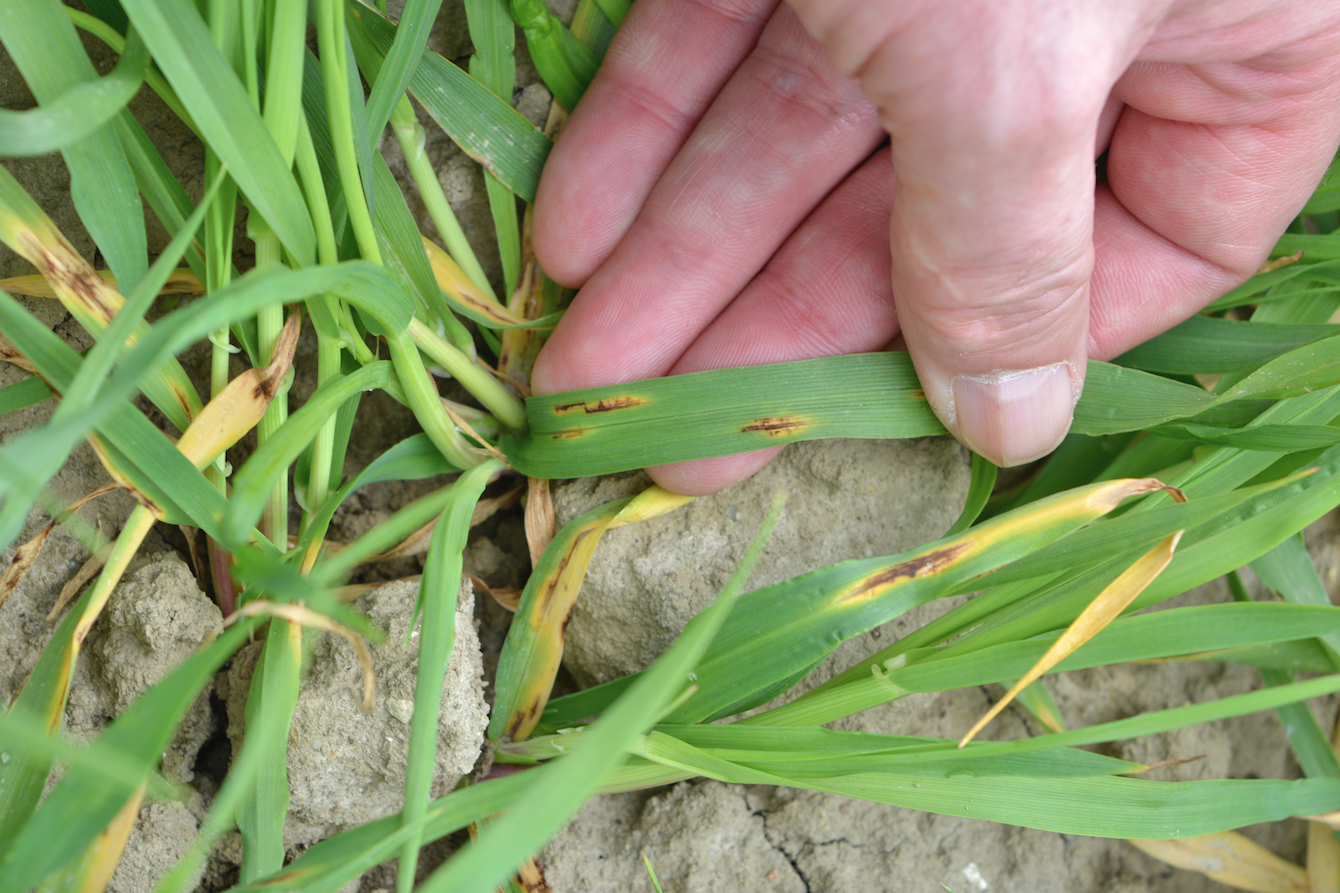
(666, 64)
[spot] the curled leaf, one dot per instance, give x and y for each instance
(301, 615)
(534, 644)
(1101, 611)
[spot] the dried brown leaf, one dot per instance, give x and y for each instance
(24, 558)
(540, 521)
(301, 615)
(75, 583)
(239, 407)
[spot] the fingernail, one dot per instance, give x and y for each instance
(1015, 416)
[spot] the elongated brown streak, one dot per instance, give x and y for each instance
(921, 566)
(605, 404)
(777, 426)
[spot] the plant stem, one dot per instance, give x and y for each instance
(269, 323)
(474, 377)
(331, 37)
(410, 134)
(421, 397)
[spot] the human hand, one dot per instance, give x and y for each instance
(716, 196)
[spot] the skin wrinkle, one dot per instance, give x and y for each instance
(1186, 273)
(753, 330)
(1001, 327)
(838, 102)
(1189, 37)
(692, 235)
(956, 288)
(743, 12)
(1187, 226)
(1217, 94)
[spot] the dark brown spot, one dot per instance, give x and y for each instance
(916, 395)
(86, 287)
(525, 719)
(605, 404)
(148, 503)
(546, 594)
(570, 434)
(563, 627)
(182, 402)
(777, 426)
(74, 274)
(266, 386)
(921, 566)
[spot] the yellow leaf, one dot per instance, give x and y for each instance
(239, 407)
(181, 281)
(458, 287)
(1101, 611)
(1323, 859)
(540, 522)
(1231, 859)
(556, 594)
(106, 849)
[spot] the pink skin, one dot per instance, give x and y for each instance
(719, 197)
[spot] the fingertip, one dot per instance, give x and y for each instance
(703, 477)
(1016, 416)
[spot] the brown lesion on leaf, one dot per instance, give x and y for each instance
(777, 426)
(917, 394)
(480, 306)
(183, 403)
(285, 878)
(546, 594)
(273, 375)
(143, 499)
(87, 287)
(544, 599)
(570, 434)
(604, 404)
(11, 354)
(920, 566)
(525, 718)
(66, 269)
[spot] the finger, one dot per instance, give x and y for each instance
(1208, 165)
(826, 292)
(993, 108)
(784, 131)
(657, 80)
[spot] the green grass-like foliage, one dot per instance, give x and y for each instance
(1237, 407)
